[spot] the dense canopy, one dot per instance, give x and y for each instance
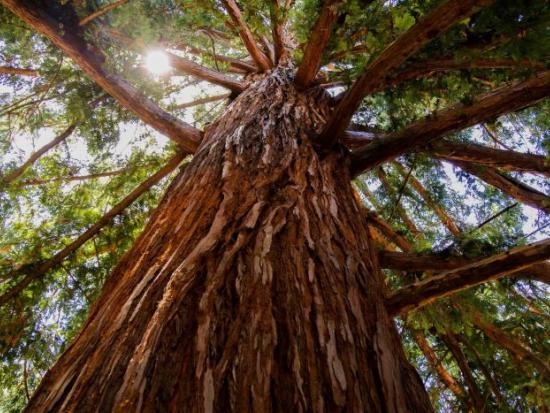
(440, 104)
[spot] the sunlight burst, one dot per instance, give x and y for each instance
(157, 62)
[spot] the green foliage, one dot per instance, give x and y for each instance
(45, 209)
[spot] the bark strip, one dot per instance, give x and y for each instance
(39, 18)
(426, 291)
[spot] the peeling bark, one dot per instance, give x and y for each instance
(254, 287)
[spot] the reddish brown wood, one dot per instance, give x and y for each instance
(246, 35)
(507, 98)
(318, 40)
(510, 186)
(17, 172)
(202, 101)
(204, 73)
(505, 159)
(37, 270)
(434, 262)
(11, 70)
(278, 23)
(431, 26)
(430, 289)
(38, 17)
(212, 311)
(437, 366)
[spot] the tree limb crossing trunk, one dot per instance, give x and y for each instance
(253, 287)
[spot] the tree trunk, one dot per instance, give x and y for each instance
(254, 286)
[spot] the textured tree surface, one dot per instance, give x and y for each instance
(274, 206)
(253, 288)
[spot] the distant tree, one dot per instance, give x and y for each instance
(347, 222)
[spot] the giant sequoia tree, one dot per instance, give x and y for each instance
(351, 227)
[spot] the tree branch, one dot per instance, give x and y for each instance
(403, 261)
(202, 101)
(10, 70)
(184, 65)
(319, 37)
(38, 17)
(508, 98)
(426, 291)
(452, 344)
(431, 26)
(17, 172)
(246, 35)
(499, 158)
(436, 365)
(440, 212)
(278, 31)
(101, 11)
(515, 348)
(396, 206)
(37, 270)
(514, 188)
(194, 69)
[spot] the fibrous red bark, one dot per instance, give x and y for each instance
(254, 287)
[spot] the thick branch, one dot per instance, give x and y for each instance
(508, 98)
(431, 26)
(36, 271)
(234, 63)
(510, 160)
(278, 31)
(388, 232)
(17, 172)
(246, 35)
(514, 188)
(92, 64)
(428, 68)
(184, 65)
(436, 262)
(467, 152)
(318, 40)
(194, 69)
(101, 11)
(426, 291)
(10, 70)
